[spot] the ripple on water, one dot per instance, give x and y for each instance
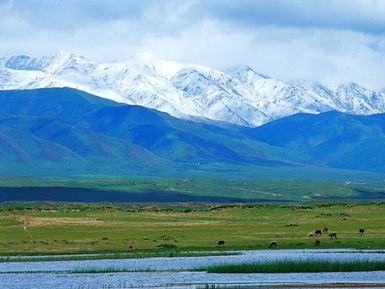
(152, 279)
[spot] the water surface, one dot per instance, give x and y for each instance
(28, 276)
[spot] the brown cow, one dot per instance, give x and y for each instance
(325, 229)
(130, 248)
(317, 242)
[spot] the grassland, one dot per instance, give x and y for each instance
(52, 228)
(174, 190)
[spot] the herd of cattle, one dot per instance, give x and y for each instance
(273, 244)
(314, 233)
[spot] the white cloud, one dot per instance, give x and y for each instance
(333, 42)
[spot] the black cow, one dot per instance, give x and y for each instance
(361, 231)
(333, 235)
(273, 244)
(221, 243)
(318, 233)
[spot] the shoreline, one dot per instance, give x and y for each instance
(14, 258)
(112, 256)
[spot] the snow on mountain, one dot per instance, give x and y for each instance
(53, 64)
(240, 96)
(360, 100)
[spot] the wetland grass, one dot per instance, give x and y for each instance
(294, 286)
(282, 266)
(302, 266)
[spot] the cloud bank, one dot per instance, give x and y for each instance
(330, 41)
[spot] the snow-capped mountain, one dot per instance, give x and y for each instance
(239, 96)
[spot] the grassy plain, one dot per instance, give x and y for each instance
(179, 190)
(41, 228)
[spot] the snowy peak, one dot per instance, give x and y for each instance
(246, 73)
(240, 96)
(67, 61)
(23, 62)
(360, 100)
(352, 89)
(53, 64)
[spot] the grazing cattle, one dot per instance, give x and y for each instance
(130, 248)
(317, 242)
(273, 244)
(333, 235)
(318, 233)
(325, 229)
(310, 234)
(361, 231)
(221, 243)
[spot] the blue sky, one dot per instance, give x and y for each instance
(330, 41)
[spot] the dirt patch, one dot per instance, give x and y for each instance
(31, 221)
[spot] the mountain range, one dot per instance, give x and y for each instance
(68, 132)
(65, 131)
(238, 96)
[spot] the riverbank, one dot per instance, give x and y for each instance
(114, 256)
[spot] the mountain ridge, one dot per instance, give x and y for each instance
(240, 96)
(332, 138)
(67, 130)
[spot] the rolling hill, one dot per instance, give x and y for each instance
(62, 131)
(333, 139)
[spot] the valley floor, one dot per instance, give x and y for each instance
(55, 228)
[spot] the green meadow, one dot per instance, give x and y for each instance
(183, 189)
(60, 228)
